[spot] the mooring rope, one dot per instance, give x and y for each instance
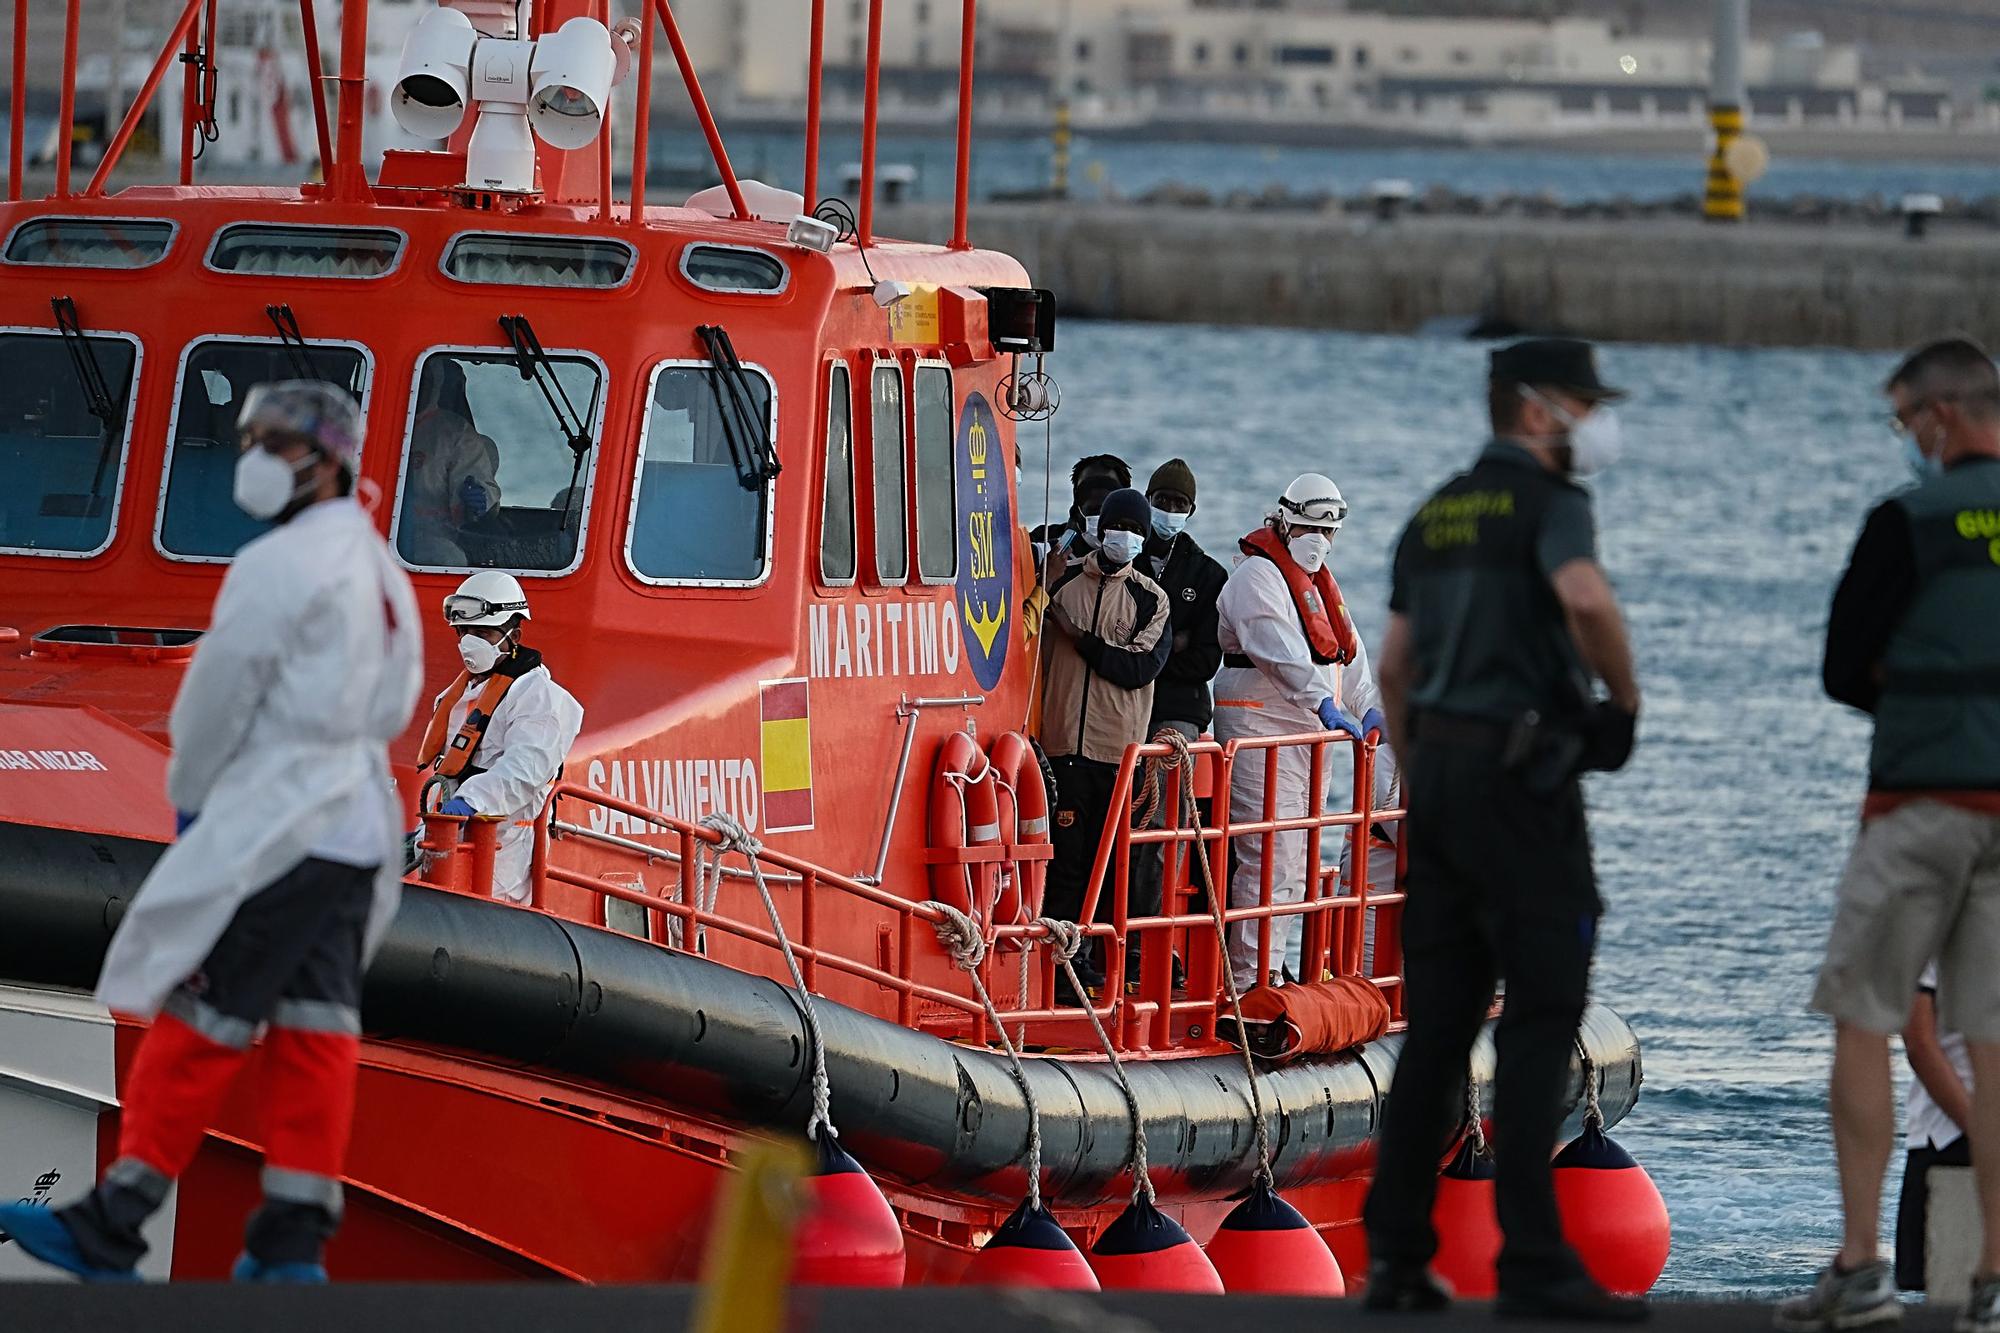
(736, 838)
(1183, 760)
(962, 938)
(1593, 1113)
(1474, 1114)
(1065, 938)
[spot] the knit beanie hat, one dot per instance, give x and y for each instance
(1173, 475)
(1127, 505)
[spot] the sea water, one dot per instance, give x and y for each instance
(1725, 527)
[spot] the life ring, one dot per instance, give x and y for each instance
(964, 829)
(1024, 820)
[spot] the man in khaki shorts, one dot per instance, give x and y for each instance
(1914, 639)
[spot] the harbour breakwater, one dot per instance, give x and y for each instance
(1854, 282)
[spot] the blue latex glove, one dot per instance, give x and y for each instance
(472, 498)
(1333, 719)
(182, 819)
(457, 806)
(1371, 721)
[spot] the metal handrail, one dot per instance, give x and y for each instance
(1147, 1019)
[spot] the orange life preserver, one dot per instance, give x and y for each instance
(1024, 823)
(1329, 629)
(964, 829)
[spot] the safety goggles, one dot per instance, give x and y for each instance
(461, 608)
(1326, 511)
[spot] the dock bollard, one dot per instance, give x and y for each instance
(1917, 211)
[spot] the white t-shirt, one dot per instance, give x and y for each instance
(1927, 1124)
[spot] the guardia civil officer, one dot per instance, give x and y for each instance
(284, 874)
(1500, 619)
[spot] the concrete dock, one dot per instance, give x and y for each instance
(1642, 280)
(396, 1308)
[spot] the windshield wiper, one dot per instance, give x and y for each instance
(747, 430)
(536, 368)
(98, 400)
(287, 324)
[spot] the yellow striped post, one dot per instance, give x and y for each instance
(1723, 201)
(1059, 156)
(745, 1282)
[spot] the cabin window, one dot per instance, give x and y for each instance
(91, 242)
(199, 519)
(526, 260)
(892, 492)
(693, 518)
(734, 269)
(937, 498)
(271, 250)
(65, 412)
(836, 519)
(493, 475)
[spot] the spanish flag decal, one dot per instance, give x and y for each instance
(786, 727)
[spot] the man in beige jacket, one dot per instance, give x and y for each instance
(1108, 640)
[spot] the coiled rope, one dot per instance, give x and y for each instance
(736, 838)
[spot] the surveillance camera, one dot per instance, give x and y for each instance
(433, 75)
(570, 83)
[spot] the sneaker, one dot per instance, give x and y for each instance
(249, 1268)
(1842, 1301)
(39, 1232)
(1575, 1300)
(1395, 1288)
(1982, 1313)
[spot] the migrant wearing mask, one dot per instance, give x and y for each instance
(1292, 662)
(1091, 480)
(283, 874)
(454, 470)
(499, 733)
(1107, 640)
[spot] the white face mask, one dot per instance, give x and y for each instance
(1309, 549)
(1122, 548)
(1090, 528)
(1595, 443)
(1923, 466)
(266, 483)
(1169, 524)
(478, 655)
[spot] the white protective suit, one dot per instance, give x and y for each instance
(310, 667)
(533, 728)
(1280, 697)
(444, 452)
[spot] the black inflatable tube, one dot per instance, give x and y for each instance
(537, 991)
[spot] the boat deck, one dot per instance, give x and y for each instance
(535, 1308)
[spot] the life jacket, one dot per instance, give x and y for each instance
(455, 760)
(1316, 597)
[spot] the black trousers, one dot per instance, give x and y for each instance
(1913, 1206)
(1500, 886)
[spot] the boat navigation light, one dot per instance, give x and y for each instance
(889, 291)
(435, 73)
(571, 82)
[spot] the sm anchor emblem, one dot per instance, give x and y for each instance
(985, 587)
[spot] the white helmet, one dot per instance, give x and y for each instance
(488, 598)
(1313, 500)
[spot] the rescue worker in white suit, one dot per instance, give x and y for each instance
(499, 734)
(284, 872)
(1292, 662)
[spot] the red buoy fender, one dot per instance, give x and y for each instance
(1612, 1213)
(1267, 1245)
(1029, 1250)
(1145, 1250)
(848, 1236)
(1024, 823)
(1468, 1229)
(964, 828)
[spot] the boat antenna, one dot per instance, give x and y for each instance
(535, 367)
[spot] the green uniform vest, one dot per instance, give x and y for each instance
(1937, 725)
(1489, 635)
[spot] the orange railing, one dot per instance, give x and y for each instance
(1335, 909)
